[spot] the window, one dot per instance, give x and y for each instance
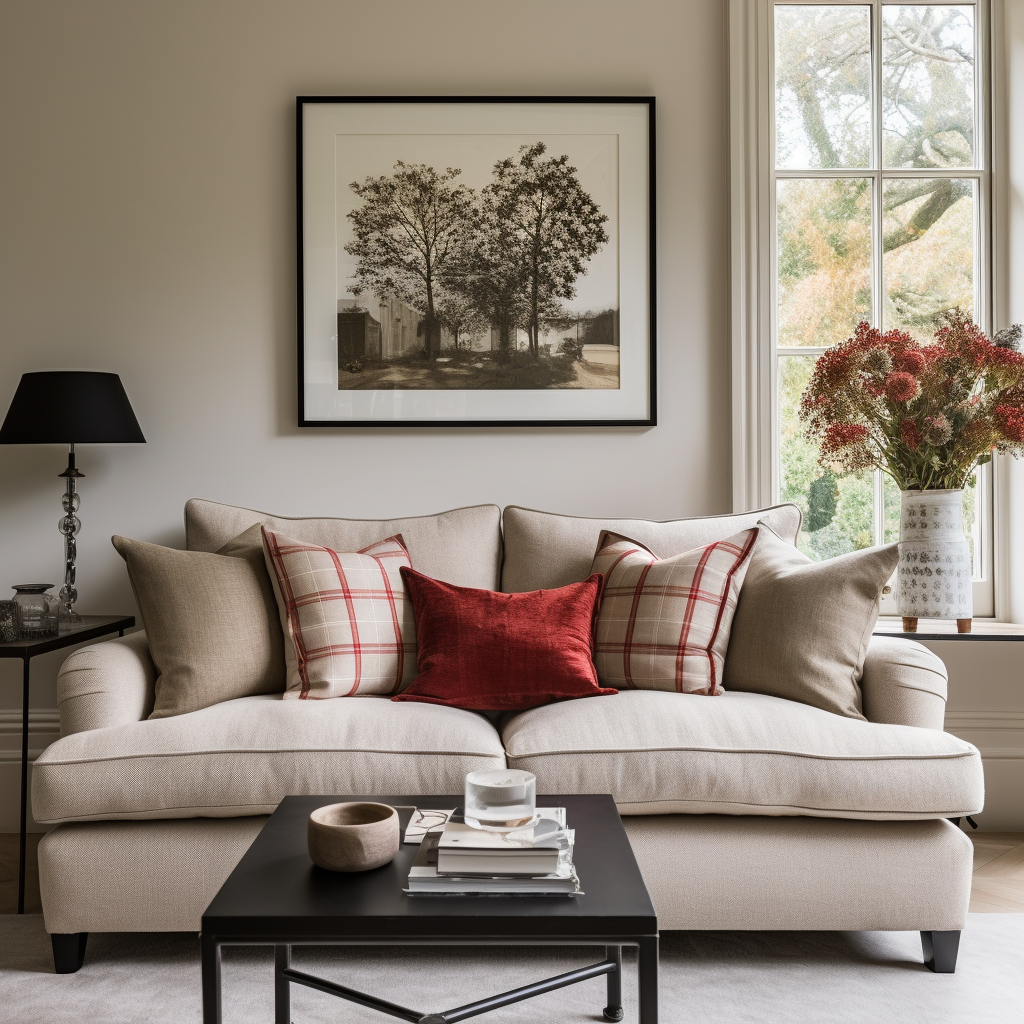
(865, 196)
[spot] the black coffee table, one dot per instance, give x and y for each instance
(277, 897)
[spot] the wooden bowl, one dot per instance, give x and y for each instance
(353, 836)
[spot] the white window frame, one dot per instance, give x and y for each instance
(752, 245)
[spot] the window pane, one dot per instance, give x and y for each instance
(838, 511)
(822, 86)
(824, 259)
(928, 86)
(928, 232)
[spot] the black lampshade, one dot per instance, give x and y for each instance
(70, 407)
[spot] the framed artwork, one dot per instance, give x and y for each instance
(483, 261)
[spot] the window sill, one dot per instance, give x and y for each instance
(943, 629)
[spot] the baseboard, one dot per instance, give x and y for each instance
(997, 734)
(43, 729)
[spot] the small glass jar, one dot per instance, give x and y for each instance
(37, 610)
(501, 799)
(10, 622)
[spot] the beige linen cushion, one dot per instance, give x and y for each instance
(462, 546)
(211, 620)
(244, 756)
(742, 753)
(802, 628)
(544, 550)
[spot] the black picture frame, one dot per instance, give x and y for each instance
(630, 402)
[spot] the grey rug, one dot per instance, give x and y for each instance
(710, 977)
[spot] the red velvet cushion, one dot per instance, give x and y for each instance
(487, 651)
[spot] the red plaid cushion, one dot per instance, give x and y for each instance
(664, 623)
(350, 624)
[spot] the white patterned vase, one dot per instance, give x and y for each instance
(934, 579)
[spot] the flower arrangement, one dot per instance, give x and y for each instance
(926, 414)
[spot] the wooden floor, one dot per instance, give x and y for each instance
(998, 873)
(998, 885)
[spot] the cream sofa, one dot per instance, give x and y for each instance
(745, 811)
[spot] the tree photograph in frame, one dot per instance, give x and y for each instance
(466, 262)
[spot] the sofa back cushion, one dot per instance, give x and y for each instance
(461, 547)
(545, 550)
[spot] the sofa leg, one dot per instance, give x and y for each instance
(68, 951)
(940, 949)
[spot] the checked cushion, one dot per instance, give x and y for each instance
(664, 623)
(348, 624)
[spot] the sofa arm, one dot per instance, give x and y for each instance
(106, 684)
(903, 684)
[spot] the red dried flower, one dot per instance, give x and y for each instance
(968, 396)
(842, 435)
(1011, 422)
(910, 361)
(901, 386)
(910, 435)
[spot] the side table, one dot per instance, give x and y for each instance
(89, 628)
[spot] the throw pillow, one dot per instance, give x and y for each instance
(664, 623)
(349, 628)
(802, 628)
(211, 622)
(488, 651)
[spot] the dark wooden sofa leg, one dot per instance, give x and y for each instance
(940, 949)
(68, 951)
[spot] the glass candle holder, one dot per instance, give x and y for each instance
(501, 800)
(37, 609)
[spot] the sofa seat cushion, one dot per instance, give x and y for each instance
(743, 753)
(241, 757)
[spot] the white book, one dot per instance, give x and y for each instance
(464, 850)
(424, 878)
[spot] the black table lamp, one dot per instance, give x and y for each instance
(70, 407)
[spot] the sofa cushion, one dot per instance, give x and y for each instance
(802, 628)
(461, 547)
(664, 623)
(502, 652)
(545, 550)
(743, 753)
(349, 626)
(211, 619)
(243, 756)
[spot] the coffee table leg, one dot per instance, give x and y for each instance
(613, 1011)
(648, 972)
(282, 987)
(211, 980)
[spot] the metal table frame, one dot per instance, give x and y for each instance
(90, 628)
(285, 976)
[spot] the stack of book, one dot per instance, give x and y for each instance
(463, 860)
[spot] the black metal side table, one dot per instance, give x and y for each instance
(89, 628)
